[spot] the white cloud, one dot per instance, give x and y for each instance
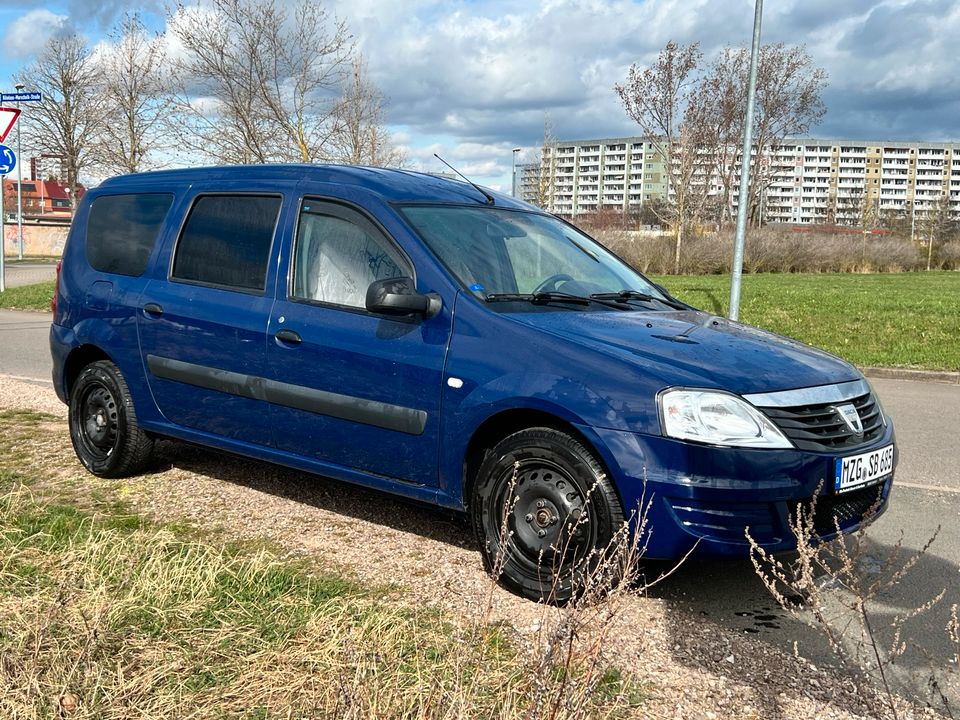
(27, 35)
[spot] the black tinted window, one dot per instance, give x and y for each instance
(336, 260)
(122, 230)
(227, 240)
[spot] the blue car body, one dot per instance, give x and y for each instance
(406, 406)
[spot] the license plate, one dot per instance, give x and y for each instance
(859, 470)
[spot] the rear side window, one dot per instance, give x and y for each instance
(226, 241)
(122, 230)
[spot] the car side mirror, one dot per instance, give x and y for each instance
(398, 296)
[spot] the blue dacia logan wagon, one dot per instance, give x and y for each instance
(429, 338)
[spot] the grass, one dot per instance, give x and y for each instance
(888, 320)
(106, 614)
(28, 297)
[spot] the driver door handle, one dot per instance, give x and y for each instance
(289, 337)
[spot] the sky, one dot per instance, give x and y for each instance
(473, 79)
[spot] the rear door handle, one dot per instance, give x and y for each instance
(289, 336)
(153, 308)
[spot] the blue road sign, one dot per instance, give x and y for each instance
(8, 160)
(21, 97)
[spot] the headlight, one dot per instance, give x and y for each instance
(717, 418)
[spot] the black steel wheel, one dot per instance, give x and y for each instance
(103, 423)
(542, 510)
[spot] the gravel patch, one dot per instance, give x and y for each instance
(694, 667)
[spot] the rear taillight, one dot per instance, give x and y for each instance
(56, 289)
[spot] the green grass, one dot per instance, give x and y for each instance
(889, 320)
(28, 297)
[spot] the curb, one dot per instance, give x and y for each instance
(934, 376)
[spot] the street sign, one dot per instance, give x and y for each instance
(8, 117)
(8, 161)
(21, 97)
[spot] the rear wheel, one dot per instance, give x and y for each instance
(543, 511)
(103, 423)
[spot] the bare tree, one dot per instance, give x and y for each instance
(658, 98)
(677, 98)
(542, 163)
(257, 84)
(788, 104)
(721, 96)
(70, 116)
(935, 225)
(360, 137)
(135, 89)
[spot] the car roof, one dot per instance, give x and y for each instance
(392, 185)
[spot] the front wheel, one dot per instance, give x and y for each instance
(544, 513)
(103, 423)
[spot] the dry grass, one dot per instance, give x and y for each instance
(778, 250)
(111, 617)
(105, 614)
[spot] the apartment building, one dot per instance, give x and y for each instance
(812, 180)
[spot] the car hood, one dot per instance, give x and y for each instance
(696, 348)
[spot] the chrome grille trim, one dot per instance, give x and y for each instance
(820, 427)
(818, 395)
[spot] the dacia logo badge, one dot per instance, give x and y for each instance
(848, 413)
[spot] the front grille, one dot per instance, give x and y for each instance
(846, 509)
(821, 428)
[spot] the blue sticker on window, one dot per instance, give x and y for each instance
(477, 287)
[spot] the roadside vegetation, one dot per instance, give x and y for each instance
(28, 297)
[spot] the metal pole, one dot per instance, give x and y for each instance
(734, 312)
(3, 234)
(913, 218)
(19, 88)
(513, 172)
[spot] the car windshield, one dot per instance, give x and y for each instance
(503, 254)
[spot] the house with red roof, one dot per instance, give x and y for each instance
(41, 200)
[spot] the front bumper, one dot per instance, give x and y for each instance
(706, 497)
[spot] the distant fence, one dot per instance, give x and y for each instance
(38, 239)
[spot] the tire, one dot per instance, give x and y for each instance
(103, 423)
(563, 511)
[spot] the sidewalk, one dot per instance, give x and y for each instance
(27, 273)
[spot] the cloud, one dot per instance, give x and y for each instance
(29, 33)
(487, 72)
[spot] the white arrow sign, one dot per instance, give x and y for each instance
(8, 116)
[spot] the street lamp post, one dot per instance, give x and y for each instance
(19, 87)
(513, 172)
(739, 240)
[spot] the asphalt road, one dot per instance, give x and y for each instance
(24, 345)
(926, 496)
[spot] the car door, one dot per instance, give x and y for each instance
(353, 389)
(203, 326)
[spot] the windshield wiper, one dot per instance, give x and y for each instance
(624, 295)
(542, 298)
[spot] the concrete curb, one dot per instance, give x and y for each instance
(936, 376)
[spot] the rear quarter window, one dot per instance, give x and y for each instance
(122, 230)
